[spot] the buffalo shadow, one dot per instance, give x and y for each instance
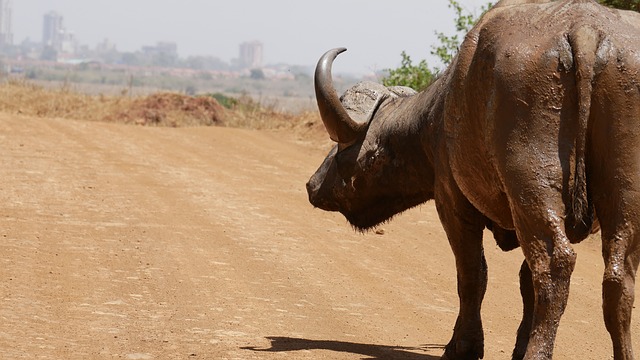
(374, 352)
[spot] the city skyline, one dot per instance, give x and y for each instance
(291, 32)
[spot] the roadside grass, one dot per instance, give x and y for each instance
(157, 109)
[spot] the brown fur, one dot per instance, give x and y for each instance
(532, 131)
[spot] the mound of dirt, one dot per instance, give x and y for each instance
(171, 109)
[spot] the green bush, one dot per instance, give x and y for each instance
(417, 77)
(224, 100)
(623, 4)
(420, 76)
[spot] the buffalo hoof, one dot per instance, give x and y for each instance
(463, 350)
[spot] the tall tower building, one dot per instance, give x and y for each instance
(251, 54)
(53, 31)
(6, 29)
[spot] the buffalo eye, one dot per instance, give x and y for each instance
(345, 162)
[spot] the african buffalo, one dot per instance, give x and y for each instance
(533, 132)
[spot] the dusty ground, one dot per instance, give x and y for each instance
(198, 243)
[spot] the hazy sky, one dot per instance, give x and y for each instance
(296, 32)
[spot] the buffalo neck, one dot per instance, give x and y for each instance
(414, 127)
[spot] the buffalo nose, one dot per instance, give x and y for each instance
(312, 191)
(318, 197)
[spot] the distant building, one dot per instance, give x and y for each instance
(6, 28)
(166, 48)
(53, 30)
(56, 38)
(69, 43)
(251, 54)
(164, 53)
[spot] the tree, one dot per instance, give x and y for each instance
(464, 22)
(417, 77)
(130, 58)
(623, 4)
(257, 74)
(420, 76)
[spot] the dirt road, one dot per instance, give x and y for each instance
(123, 242)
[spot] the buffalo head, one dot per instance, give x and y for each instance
(377, 168)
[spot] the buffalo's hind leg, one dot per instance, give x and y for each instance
(621, 252)
(508, 240)
(621, 255)
(614, 174)
(538, 216)
(528, 300)
(464, 226)
(551, 259)
(620, 228)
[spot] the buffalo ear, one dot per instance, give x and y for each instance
(361, 100)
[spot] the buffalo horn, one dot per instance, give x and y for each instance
(340, 126)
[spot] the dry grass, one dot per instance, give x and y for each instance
(29, 99)
(160, 109)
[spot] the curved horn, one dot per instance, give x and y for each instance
(339, 125)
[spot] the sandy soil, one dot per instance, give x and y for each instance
(198, 243)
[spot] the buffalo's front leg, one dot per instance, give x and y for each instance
(464, 225)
